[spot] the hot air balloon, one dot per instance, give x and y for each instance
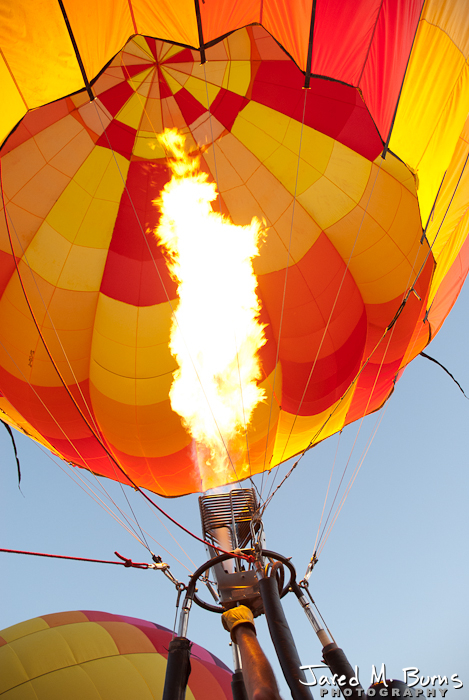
(91, 654)
(341, 128)
(317, 124)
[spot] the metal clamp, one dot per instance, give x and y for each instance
(160, 565)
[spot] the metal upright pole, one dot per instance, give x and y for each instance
(178, 667)
(333, 655)
(237, 680)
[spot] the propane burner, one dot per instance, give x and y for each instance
(227, 522)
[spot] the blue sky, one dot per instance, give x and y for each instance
(391, 581)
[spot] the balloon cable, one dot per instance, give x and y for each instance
(389, 327)
(77, 385)
(325, 533)
(327, 493)
(94, 431)
(405, 299)
(329, 320)
(84, 418)
(87, 488)
(284, 293)
(339, 402)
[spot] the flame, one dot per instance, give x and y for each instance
(215, 334)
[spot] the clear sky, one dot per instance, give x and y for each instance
(392, 579)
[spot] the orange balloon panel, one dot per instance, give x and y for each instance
(90, 654)
(87, 301)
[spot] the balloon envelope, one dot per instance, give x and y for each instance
(351, 290)
(89, 654)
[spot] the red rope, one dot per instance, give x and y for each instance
(125, 562)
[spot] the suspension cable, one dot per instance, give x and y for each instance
(284, 292)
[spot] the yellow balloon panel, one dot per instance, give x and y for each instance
(203, 91)
(293, 234)
(293, 431)
(131, 113)
(447, 225)
(102, 173)
(87, 18)
(176, 23)
(81, 258)
(75, 678)
(14, 107)
(35, 42)
(150, 430)
(433, 105)
(98, 656)
(326, 202)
